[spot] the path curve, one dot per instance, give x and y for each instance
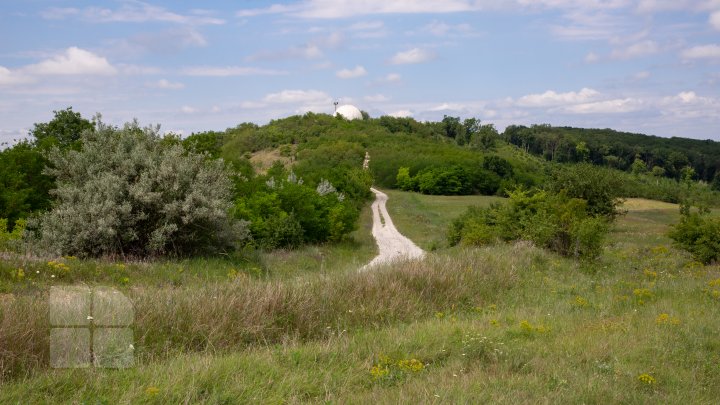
(393, 246)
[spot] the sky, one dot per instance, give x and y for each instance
(649, 66)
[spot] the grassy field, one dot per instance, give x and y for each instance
(425, 219)
(505, 324)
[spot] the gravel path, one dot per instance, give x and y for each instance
(392, 244)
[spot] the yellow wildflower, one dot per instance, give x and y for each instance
(413, 365)
(379, 371)
(581, 302)
(646, 379)
(642, 293)
(650, 274)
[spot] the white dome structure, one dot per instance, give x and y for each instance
(349, 112)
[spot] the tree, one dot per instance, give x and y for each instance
(455, 129)
(715, 185)
(657, 171)
(404, 180)
(23, 186)
(498, 165)
(638, 166)
(687, 174)
(599, 187)
(131, 192)
(485, 137)
(582, 151)
(64, 129)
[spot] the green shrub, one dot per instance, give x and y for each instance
(405, 182)
(553, 221)
(284, 211)
(699, 234)
(599, 187)
(11, 240)
(131, 192)
(453, 180)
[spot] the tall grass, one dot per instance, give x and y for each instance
(224, 316)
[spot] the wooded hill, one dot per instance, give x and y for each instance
(619, 149)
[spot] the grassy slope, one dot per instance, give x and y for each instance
(537, 329)
(424, 219)
(358, 249)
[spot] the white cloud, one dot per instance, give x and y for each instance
(710, 51)
(169, 40)
(367, 26)
(298, 96)
(131, 11)
(166, 84)
(9, 77)
(357, 71)
(308, 51)
(448, 107)
(368, 29)
(656, 6)
(392, 78)
(586, 24)
(377, 98)
(441, 29)
(401, 114)
(551, 98)
(350, 8)
(186, 109)
(74, 61)
(273, 9)
(415, 55)
(138, 70)
(640, 49)
(226, 71)
(605, 107)
(687, 98)
(715, 20)
(591, 57)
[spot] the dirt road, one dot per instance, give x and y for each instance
(392, 244)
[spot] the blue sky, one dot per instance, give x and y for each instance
(650, 66)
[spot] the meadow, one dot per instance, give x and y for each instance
(508, 323)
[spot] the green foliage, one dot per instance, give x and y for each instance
(618, 149)
(498, 165)
(209, 142)
(11, 239)
(699, 234)
(484, 137)
(715, 185)
(657, 171)
(130, 192)
(65, 129)
(449, 180)
(638, 166)
(284, 211)
(453, 180)
(601, 188)
(24, 188)
(404, 181)
(551, 220)
(665, 189)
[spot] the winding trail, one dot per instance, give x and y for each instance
(392, 244)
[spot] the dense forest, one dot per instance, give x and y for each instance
(662, 157)
(300, 179)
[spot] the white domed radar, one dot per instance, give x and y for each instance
(349, 112)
